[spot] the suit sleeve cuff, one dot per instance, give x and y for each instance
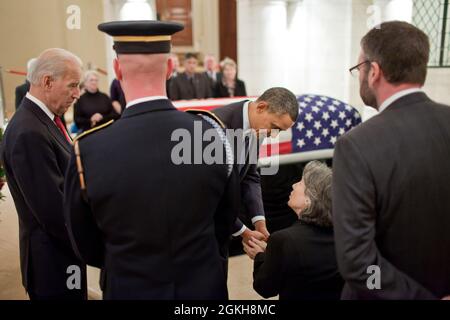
(258, 218)
(241, 231)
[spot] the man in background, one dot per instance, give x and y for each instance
(391, 176)
(22, 90)
(210, 65)
(190, 84)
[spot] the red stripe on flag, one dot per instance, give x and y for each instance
(268, 150)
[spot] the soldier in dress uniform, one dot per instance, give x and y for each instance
(157, 228)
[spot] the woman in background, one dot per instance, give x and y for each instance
(229, 85)
(94, 107)
(300, 261)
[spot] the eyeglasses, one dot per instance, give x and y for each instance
(353, 70)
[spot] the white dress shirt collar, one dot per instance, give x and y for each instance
(246, 121)
(397, 96)
(145, 99)
(41, 105)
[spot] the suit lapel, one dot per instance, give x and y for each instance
(51, 126)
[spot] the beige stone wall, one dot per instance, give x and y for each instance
(27, 27)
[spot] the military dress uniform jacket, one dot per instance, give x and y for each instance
(157, 228)
(35, 156)
(250, 180)
(391, 204)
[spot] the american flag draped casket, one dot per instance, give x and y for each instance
(321, 121)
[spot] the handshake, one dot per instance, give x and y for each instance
(255, 241)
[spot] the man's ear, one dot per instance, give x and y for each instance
(117, 69)
(375, 74)
(47, 82)
(261, 106)
(169, 68)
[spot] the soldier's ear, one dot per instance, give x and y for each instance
(117, 69)
(169, 68)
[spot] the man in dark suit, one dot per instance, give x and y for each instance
(22, 90)
(156, 225)
(190, 84)
(391, 186)
(213, 76)
(275, 109)
(36, 150)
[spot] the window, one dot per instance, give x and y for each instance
(433, 18)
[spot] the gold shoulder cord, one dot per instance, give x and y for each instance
(207, 113)
(79, 165)
(76, 144)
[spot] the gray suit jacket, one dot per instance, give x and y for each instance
(391, 202)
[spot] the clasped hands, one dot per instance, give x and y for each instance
(97, 117)
(255, 241)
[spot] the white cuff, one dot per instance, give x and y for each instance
(258, 218)
(237, 234)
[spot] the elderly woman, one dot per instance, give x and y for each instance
(300, 262)
(229, 85)
(94, 107)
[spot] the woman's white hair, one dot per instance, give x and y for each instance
(89, 74)
(52, 62)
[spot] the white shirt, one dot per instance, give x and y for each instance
(397, 96)
(41, 105)
(145, 99)
(246, 128)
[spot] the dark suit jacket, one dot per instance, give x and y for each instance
(159, 230)
(35, 156)
(21, 91)
(213, 81)
(299, 263)
(181, 88)
(391, 203)
(222, 91)
(250, 186)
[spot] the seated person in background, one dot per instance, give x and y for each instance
(189, 84)
(300, 261)
(229, 85)
(209, 63)
(94, 107)
(117, 96)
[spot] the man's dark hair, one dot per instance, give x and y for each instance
(190, 55)
(401, 50)
(281, 101)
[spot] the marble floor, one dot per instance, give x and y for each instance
(239, 277)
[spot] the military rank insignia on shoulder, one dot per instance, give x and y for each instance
(95, 129)
(206, 113)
